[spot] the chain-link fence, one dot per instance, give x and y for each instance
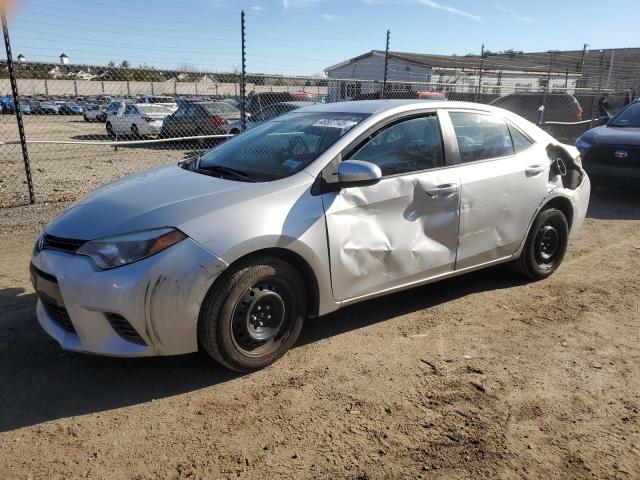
(85, 124)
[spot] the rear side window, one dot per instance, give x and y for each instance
(481, 136)
(520, 141)
(403, 147)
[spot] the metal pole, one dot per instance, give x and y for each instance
(480, 74)
(545, 91)
(243, 93)
(596, 99)
(610, 68)
(16, 105)
(386, 67)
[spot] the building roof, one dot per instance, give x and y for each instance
(568, 61)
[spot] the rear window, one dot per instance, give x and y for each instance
(481, 136)
(153, 109)
(160, 100)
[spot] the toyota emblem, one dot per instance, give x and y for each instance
(41, 243)
(621, 154)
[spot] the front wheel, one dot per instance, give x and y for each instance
(546, 245)
(109, 128)
(254, 315)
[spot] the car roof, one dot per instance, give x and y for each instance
(378, 106)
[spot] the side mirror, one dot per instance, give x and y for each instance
(356, 173)
(603, 120)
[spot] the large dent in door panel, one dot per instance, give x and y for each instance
(376, 247)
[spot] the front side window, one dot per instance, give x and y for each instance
(403, 147)
(282, 146)
(481, 136)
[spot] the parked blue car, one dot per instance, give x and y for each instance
(25, 108)
(45, 108)
(71, 109)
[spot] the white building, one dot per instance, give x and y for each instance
(410, 72)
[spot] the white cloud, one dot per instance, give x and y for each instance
(298, 3)
(256, 8)
(219, 3)
(329, 17)
(431, 4)
(447, 8)
(515, 14)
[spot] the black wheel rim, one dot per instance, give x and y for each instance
(261, 318)
(547, 245)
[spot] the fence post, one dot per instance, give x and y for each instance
(596, 99)
(383, 94)
(545, 91)
(480, 74)
(243, 93)
(16, 106)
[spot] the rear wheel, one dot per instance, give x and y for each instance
(254, 315)
(134, 131)
(109, 129)
(546, 245)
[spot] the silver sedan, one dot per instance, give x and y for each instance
(320, 208)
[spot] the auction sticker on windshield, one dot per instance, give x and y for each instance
(334, 123)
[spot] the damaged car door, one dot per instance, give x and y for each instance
(503, 176)
(405, 227)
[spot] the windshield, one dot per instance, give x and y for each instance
(629, 117)
(283, 146)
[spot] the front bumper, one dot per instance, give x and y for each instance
(159, 297)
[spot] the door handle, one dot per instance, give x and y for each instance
(532, 170)
(443, 190)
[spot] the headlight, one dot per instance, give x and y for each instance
(582, 145)
(120, 250)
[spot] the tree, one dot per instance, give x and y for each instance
(111, 64)
(125, 64)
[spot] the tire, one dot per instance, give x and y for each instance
(230, 328)
(545, 246)
(135, 133)
(109, 129)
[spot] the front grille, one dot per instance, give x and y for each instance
(124, 328)
(52, 242)
(605, 154)
(58, 314)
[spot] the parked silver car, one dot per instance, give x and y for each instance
(320, 208)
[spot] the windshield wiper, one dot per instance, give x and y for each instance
(220, 169)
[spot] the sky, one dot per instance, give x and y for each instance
(303, 37)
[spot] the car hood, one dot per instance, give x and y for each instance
(615, 136)
(168, 196)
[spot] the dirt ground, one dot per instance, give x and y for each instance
(484, 375)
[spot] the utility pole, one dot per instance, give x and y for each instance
(480, 74)
(386, 67)
(16, 105)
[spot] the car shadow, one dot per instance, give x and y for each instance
(42, 383)
(611, 203)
